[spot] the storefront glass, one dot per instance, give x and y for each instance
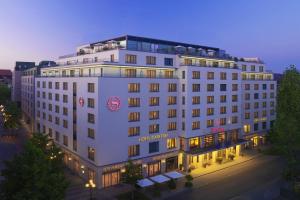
(171, 163)
(154, 168)
(110, 178)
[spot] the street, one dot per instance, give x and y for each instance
(255, 179)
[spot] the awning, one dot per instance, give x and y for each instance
(144, 182)
(159, 178)
(174, 175)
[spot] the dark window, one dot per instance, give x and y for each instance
(153, 147)
(168, 61)
(222, 87)
(255, 127)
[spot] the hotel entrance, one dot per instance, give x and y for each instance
(171, 163)
(154, 168)
(110, 178)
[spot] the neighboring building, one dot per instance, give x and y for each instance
(165, 105)
(5, 77)
(16, 79)
(278, 78)
(27, 91)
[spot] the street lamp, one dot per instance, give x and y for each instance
(91, 185)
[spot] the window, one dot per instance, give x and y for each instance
(223, 75)
(209, 123)
(134, 116)
(234, 119)
(247, 86)
(210, 75)
(172, 113)
(272, 86)
(172, 126)
(50, 85)
(196, 87)
(247, 115)
(169, 74)
(247, 128)
(130, 59)
(65, 140)
(183, 74)
(50, 107)
(168, 61)
(91, 133)
(194, 142)
(171, 143)
(256, 104)
(256, 127)
(247, 96)
(44, 84)
(196, 112)
(196, 100)
(244, 68)
(91, 103)
(133, 87)
(91, 87)
(196, 125)
(134, 102)
(112, 58)
(91, 118)
(57, 85)
(195, 75)
(172, 87)
(234, 98)
(154, 101)
(223, 110)
(234, 109)
(50, 118)
(256, 86)
(183, 87)
(223, 98)
(247, 106)
(65, 111)
(234, 76)
(133, 131)
(154, 128)
(172, 100)
(38, 84)
(91, 153)
(154, 87)
(153, 147)
(150, 60)
(57, 109)
(134, 150)
(210, 87)
(255, 114)
(209, 111)
(264, 86)
(57, 120)
(256, 95)
(57, 136)
(223, 87)
(65, 98)
(210, 99)
(153, 115)
(252, 68)
(150, 73)
(234, 87)
(223, 121)
(264, 125)
(65, 86)
(261, 68)
(264, 104)
(272, 103)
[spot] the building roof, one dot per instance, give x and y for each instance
(20, 66)
(5, 72)
(155, 41)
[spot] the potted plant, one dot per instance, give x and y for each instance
(231, 156)
(188, 182)
(219, 160)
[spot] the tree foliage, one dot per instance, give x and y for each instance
(4, 94)
(12, 115)
(286, 133)
(34, 174)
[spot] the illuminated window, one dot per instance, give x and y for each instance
(223, 75)
(172, 126)
(194, 142)
(196, 125)
(169, 74)
(91, 133)
(150, 60)
(130, 59)
(210, 99)
(153, 115)
(234, 98)
(208, 140)
(223, 110)
(154, 101)
(244, 68)
(171, 143)
(223, 98)
(195, 75)
(150, 73)
(130, 72)
(133, 87)
(91, 153)
(196, 112)
(196, 100)
(234, 109)
(256, 104)
(134, 116)
(196, 87)
(210, 75)
(172, 87)
(247, 128)
(134, 102)
(134, 150)
(172, 100)
(133, 131)
(223, 121)
(154, 87)
(172, 113)
(209, 123)
(209, 111)
(154, 128)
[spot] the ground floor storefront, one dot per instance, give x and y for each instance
(256, 140)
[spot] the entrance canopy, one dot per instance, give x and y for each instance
(159, 178)
(144, 182)
(174, 175)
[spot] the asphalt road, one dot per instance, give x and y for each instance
(244, 181)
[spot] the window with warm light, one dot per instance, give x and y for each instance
(247, 128)
(194, 142)
(171, 143)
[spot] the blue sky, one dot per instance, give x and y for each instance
(34, 30)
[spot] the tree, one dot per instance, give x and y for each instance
(33, 175)
(12, 115)
(131, 175)
(286, 133)
(4, 94)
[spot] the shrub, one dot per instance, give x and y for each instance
(172, 184)
(219, 160)
(231, 156)
(188, 178)
(188, 184)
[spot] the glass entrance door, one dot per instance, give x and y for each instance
(154, 168)
(110, 178)
(171, 163)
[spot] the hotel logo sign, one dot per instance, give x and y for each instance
(113, 103)
(153, 137)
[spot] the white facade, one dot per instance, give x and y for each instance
(197, 101)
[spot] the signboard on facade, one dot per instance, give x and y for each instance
(153, 137)
(113, 103)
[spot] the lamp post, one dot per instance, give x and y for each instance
(91, 185)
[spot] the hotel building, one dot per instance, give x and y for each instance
(165, 105)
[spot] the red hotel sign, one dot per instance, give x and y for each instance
(81, 101)
(113, 103)
(217, 130)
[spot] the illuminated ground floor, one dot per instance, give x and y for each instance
(256, 139)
